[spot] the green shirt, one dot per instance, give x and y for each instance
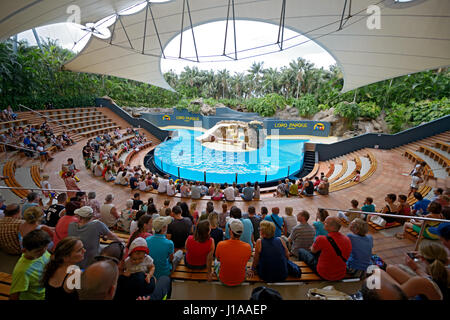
(26, 277)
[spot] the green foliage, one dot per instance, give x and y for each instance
(307, 105)
(348, 110)
(369, 110)
(267, 105)
(403, 116)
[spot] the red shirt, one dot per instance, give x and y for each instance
(62, 227)
(197, 252)
(330, 266)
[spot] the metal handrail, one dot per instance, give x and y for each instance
(32, 188)
(422, 229)
(17, 147)
(50, 119)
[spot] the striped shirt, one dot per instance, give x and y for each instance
(302, 236)
(9, 235)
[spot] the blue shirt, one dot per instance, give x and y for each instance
(360, 257)
(368, 208)
(247, 193)
(160, 250)
(279, 223)
(320, 230)
(421, 205)
(246, 236)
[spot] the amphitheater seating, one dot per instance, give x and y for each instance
(330, 170)
(438, 157)
(387, 226)
(80, 123)
(443, 146)
(184, 273)
(4, 126)
(36, 175)
(9, 171)
(340, 173)
(5, 285)
(368, 174)
(350, 176)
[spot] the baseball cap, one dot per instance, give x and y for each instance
(161, 222)
(442, 230)
(84, 212)
(138, 244)
(236, 226)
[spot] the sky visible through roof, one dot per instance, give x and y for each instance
(210, 44)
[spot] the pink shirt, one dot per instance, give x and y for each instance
(62, 227)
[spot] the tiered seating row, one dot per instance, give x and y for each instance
(36, 175)
(5, 285)
(436, 156)
(9, 170)
(373, 168)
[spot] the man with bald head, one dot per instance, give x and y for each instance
(99, 281)
(329, 254)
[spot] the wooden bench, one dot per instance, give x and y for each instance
(350, 176)
(36, 175)
(368, 174)
(341, 173)
(13, 123)
(330, 170)
(123, 236)
(443, 146)
(5, 285)
(97, 131)
(387, 226)
(133, 152)
(411, 234)
(9, 170)
(423, 190)
(436, 156)
(184, 273)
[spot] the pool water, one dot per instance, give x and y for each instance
(185, 157)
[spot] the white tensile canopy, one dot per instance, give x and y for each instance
(413, 36)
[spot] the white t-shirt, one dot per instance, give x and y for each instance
(141, 267)
(171, 190)
(415, 181)
(142, 186)
(162, 187)
(229, 193)
(133, 226)
(291, 222)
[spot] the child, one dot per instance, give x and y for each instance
(138, 260)
(357, 176)
(194, 212)
(134, 223)
(350, 216)
(47, 196)
(322, 214)
(367, 207)
(27, 274)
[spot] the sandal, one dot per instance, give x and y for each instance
(400, 236)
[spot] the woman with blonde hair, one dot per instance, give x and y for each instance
(218, 194)
(185, 190)
(33, 217)
(171, 188)
(193, 211)
(271, 259)
(362, 244)
(431, 279)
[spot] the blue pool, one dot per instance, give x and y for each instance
(185, 157)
